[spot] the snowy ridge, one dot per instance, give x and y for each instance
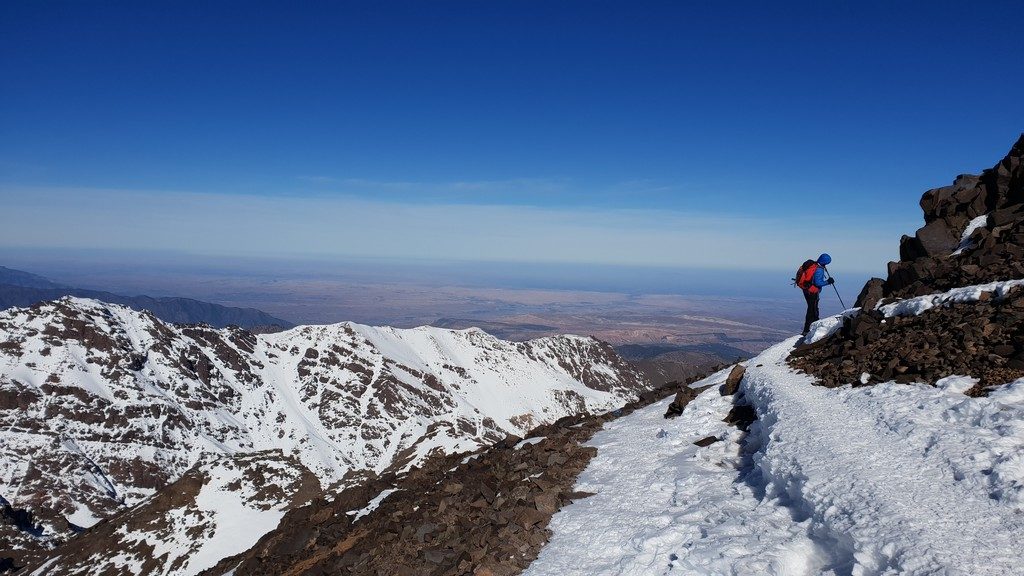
(101, 406)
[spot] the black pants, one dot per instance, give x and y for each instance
(812, 309)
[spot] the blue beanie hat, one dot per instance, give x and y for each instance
(824, 259)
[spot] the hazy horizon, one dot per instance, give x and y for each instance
(619, 303)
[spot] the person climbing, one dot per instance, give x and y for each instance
(811, 278)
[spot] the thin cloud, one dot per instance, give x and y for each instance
(235, 225)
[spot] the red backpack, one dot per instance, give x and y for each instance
(805, 276)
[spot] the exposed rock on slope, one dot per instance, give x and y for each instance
(219, 507)
(485, 514)
(984, 339)
(101, 406)
(973, 233)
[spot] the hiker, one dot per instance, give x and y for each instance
(811, 278)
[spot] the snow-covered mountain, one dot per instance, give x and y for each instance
(101, 406)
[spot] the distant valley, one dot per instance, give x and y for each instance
(667, 336)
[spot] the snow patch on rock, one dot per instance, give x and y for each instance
(965, 239)
(912, 306)
(920, 304)
(828, 326)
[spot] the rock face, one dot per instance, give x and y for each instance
(973, 233)
(102, 406)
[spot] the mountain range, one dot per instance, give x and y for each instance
(18, 288)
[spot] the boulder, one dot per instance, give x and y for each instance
(937, 239)
(683, 397)
(732, 382)
(871, 294)
(705, 442)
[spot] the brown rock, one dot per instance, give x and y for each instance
(703, 442)
(732, 382)
(871, 294)
(683, 397)
(546, 503)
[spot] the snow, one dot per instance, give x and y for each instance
(82, 516)
(965, 239)
(664, 505)
(887, 479)
(371, 505)
(43, 568)
(230, 513)
(959, 384)
(915, 306)
(529, 442)
(481, 378)
(238, 525)
(828, 326)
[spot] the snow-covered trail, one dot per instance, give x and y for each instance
(889, 479)
(882, 494)
(666, 506)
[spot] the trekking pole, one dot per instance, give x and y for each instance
(834, 288)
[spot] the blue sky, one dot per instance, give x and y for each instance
(730, 135)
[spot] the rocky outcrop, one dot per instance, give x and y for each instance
(973, 233)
